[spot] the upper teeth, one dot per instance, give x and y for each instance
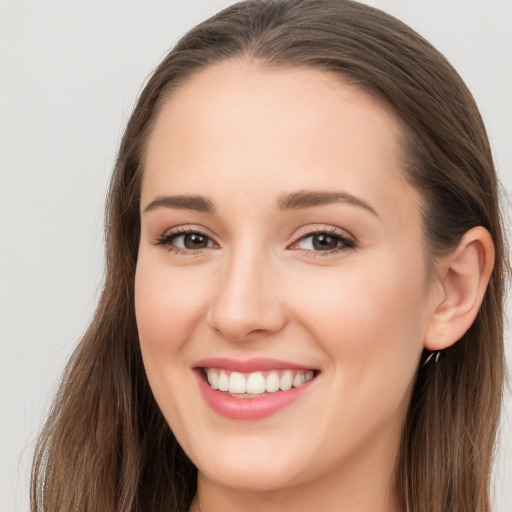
(256, 383)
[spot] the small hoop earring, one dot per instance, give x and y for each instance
(433, 355)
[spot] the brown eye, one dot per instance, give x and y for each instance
(323, 242)
(194, 241)
(327, 242)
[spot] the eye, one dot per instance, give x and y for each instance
(327, 241)
(192, 241)
(185, 241)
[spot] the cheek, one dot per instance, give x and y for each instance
(372, 315)
(167, 309)
(167, 306)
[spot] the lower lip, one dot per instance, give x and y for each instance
(248, 408)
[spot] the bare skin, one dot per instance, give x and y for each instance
(338, 285)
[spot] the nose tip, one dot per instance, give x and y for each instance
(246, 305)
(240, 324)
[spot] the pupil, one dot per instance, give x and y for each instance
(323, 242)
(195, 241)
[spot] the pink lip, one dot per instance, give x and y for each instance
(250, 365)
(248, 408)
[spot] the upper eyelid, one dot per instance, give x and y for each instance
(182, 231)
(185, 229)
(166, 236)
(348, 240)
(299, 233)
(306, 229)
(332, 230)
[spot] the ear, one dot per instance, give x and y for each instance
(460, 284)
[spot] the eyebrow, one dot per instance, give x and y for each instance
(196, 203)
(292, 201)
(307, 199)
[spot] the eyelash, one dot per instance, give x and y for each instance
(345, 242)
(167, 240)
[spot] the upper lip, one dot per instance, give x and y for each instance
(249, 365)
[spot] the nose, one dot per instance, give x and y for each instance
(248, 304)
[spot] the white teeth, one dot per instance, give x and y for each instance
(237, 383)
(286, 381)
(213, 378)
(272, 383)
(256, 383)
(298, 380)
(223, 381)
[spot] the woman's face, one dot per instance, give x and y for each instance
(280, 246)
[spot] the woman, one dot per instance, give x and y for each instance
(303, 306)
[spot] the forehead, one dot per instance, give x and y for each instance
(273, 129)
(241, 96)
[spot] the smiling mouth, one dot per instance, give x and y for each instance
(256, 384)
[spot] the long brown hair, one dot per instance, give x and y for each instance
(107, 447)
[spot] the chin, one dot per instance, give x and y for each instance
(254, 470)
(248, 478)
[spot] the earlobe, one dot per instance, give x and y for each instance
(461, 281)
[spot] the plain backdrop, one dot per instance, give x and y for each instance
(70, 73)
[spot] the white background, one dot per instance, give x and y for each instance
(70, 73)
